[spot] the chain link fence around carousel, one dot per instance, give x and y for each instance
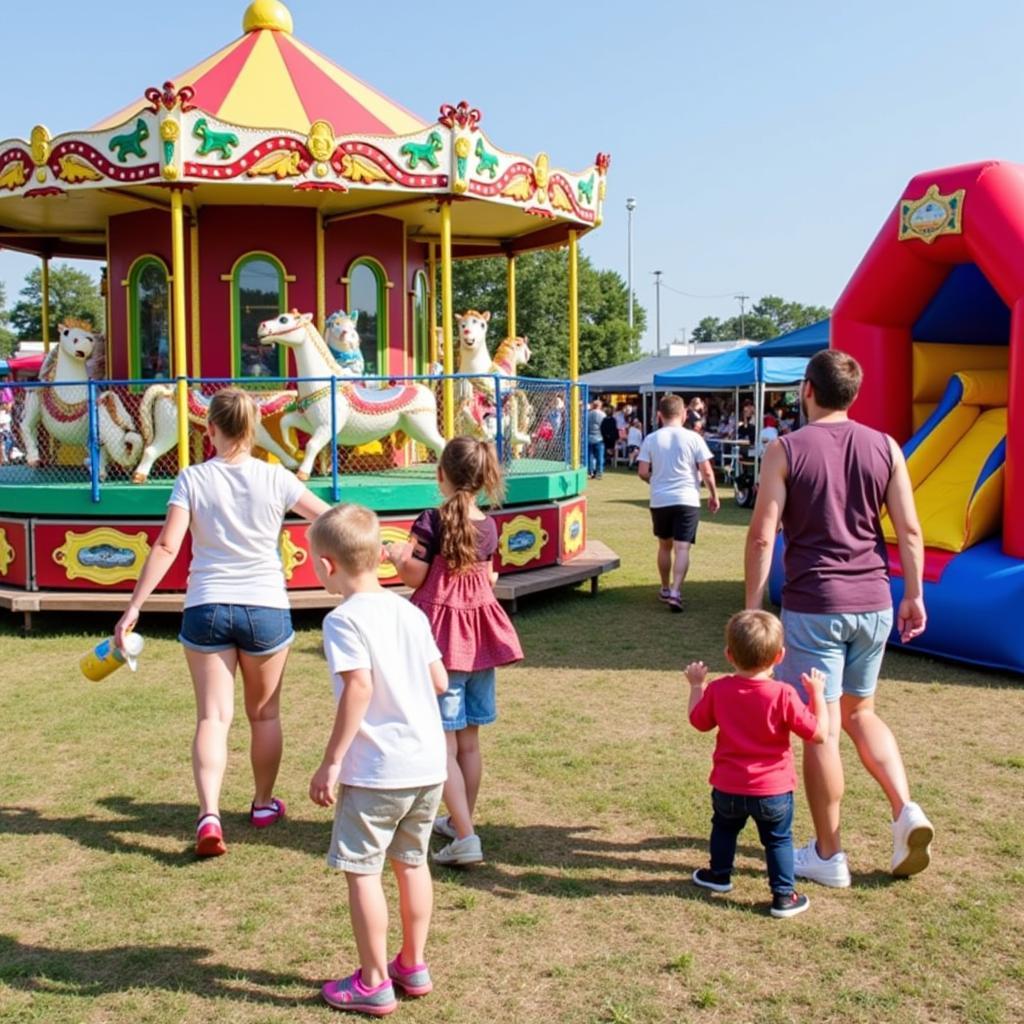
(93, 433)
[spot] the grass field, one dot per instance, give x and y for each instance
(593, 814)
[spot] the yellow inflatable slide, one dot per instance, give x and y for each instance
(956, 462)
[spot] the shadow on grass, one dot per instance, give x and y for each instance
(162, 821)
(536, 859)
(93, 972)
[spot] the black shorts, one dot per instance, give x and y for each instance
(676, 522)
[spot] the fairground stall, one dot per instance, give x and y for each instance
(268, 186)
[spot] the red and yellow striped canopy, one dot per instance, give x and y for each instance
(269, 79)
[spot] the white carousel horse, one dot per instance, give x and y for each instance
(361, 415)
(344, 342)
(63, 408)
(158, 417)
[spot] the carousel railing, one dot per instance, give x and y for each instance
(98, 432)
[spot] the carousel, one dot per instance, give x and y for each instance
(269, 220)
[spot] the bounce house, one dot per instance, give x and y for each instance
(935, 315)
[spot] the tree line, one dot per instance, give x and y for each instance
(73, 294)
(769, 317)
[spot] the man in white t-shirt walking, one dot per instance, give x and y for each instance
(675, 461)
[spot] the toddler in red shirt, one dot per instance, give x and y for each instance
(752, 773)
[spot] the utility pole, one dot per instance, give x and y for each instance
(657, 307)
(630, 207)
(743, 315)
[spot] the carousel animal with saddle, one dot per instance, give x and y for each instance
(62, 409)
(358, 415)
(477, 398)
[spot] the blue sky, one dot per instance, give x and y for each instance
(765, 143)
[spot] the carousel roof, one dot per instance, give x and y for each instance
(269, 121)
(268, 78)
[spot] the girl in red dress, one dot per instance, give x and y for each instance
(448, 562)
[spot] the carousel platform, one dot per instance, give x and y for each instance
(66, 491)
(594, 561)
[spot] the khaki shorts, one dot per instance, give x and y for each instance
(373, 824)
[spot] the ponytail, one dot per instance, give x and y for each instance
(471, 467)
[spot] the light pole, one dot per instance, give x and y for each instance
(743, 315)
(630, 207)
(657, 307)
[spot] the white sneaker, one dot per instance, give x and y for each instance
(833, 871)
(912, 834)
(443, 827)
(460, 852)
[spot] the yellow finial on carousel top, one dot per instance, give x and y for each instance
(270, 14)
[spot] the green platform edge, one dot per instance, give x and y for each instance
(384, 492)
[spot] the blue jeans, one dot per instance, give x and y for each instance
(773, 816)
(595, 461)
(470, 699)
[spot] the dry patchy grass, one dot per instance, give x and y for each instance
(594, 812)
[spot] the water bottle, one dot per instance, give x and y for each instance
(105, 657)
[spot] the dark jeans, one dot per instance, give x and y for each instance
(774, 818)
(596, 457)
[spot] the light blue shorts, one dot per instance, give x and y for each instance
(847, 647)
(471, 699)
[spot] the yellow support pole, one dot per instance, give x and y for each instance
(193, 285)
(574, 347)
(432, 298)
(178, 321)
(45, 302)
(511, 288)
(447, 320)
(321, 279)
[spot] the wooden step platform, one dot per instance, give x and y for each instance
(595, 560)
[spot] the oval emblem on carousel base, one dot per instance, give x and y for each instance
(104, 555)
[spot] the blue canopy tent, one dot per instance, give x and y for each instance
(730, 370)
(804, 341)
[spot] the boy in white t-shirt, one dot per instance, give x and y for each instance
(387, 749)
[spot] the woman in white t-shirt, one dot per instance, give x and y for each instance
(237, 612)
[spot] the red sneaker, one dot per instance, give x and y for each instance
(264, 817)
(210, 837)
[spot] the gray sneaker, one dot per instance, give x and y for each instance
(460, 852)
(350, 994)
(443, 827)
(413, 981)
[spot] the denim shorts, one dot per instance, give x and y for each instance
(251, 629)
(469, 700)
(847, 647)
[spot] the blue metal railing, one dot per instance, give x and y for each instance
(551, 445)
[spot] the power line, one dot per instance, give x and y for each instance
(692, 295)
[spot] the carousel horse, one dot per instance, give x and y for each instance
(158, 418)
(360, 414)
(477, 412)
(63, 408)
(344, 342)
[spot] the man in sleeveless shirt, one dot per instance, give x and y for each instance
(825, 485)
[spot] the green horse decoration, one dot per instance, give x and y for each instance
(586, 190)
(425, 151)
(488, 161)
(131, 143)
(214, 142)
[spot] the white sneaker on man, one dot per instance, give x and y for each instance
(912, 834)
(460, 852)
(831, 871)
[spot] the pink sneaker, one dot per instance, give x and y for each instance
(413, 981)
(264, 817)
(352, 995)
